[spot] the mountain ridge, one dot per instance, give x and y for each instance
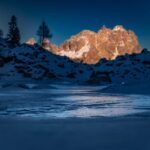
(89, 47)
(80, 60)
(32, 62)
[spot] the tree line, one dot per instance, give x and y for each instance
(14, 37)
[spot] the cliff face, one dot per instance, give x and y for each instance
(89, 47)
(118, 41)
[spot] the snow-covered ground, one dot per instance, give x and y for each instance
(40, 112)
(27, 62)
(31, 85)
(39, 117)
(128, 133)
(139, 88)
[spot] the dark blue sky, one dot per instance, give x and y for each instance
(68, 17)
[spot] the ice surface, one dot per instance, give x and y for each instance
(67, 100)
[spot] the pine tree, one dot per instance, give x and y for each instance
(44, 32)
(1, 33)
(13, 33)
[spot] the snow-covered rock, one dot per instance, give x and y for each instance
(32, 62)
(36, 63)
(31, 41)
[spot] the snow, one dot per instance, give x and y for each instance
(47, 101)
(127, 133)
(118, 28)
(3, 43)
(23, 103)
(115, 53)
(121, 44)
(77, 54)
(34, 63)
(133, 88)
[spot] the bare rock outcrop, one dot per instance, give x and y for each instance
(31, 41)
(89, 47)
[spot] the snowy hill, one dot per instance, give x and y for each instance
(127, 68)
(3, 43)
(36, 63)
(28, 62)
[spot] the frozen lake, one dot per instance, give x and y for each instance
(67, 100)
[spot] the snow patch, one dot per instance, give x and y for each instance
(118, 28)
(115, 53)
(77, 54)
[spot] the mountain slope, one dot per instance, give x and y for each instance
(89, 47)
(36, 63)
(28, 62)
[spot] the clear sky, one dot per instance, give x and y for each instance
(68, 17)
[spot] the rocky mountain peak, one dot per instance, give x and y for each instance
(119, 28)
(104, 29)
(89, 47)
(47, 44)
(31, 41)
